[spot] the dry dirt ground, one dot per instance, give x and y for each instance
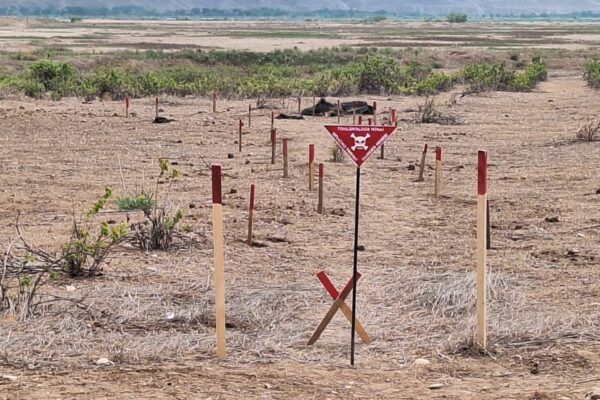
(151, 314)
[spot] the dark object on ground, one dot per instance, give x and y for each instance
(552, 219)
(287, 116)
(325, 108)
(598, 191)
(162, 120)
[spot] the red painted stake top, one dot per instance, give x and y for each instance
(285, 147)
(482, 166)
(321, 172)
(311, 153)
(216, 185)
(252, 197)
(438, 153)
(127, 101)
(333, 292)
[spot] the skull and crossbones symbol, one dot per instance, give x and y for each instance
(360, 142)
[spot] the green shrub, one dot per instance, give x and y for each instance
(592, 74)
(457, 17)
(53, 76)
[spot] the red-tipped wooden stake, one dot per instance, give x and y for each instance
(240, 128)
(249, 115)
(219, 252)
(214, 101)
(339, 111)
(156, 108)
(360, 119)
(481, 247)
(299, 105)
(272, 120)
(438, 171)
(321, 176)
(422, 166)
(127, 104)
(285, 157)
(311, 161)
(250, 215)
(374, 113)
(273, 143)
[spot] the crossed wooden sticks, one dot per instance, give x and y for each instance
(339, 303)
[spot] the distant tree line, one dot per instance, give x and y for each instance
(215, 13)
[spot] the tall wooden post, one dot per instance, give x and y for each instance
(321, 176)
(127, 104)
(156, 108)
(272, 120)
(219, 252)
(249, 115)
(240, 128)
(285, 157)
(299, 105)
(214, 102)
(273, 143)
(481, 247)
(438, 171)
(422, 166)
(374, 113)
(250, 215)
(311, 162)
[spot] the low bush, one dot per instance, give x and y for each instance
(592, 74)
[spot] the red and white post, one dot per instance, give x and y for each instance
(250, 215)
(311, 162)
(438, 171)
(422, 166)
(273, 143)
(321, 177)
(285, 157)
(219, 252)
(482, 164)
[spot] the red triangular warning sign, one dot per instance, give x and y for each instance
(359, 141)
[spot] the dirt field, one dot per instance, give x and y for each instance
(151, 315)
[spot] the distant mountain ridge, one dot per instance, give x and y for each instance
(393, 6)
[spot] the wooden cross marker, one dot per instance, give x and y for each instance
(344, 306)
(331, 312)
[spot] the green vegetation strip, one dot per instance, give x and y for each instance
(335, 72)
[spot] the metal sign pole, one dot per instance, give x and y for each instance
(355, 270)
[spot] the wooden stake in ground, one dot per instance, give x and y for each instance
(249, 115)
(321, 176)
(273, 143)
(219, 259)
(272, 120)
(488, 227)
(394, 117)
(370, 121)
(156, 114)
(127, 104)
(311, 161)
(422, 166)
(314, 105)
(438, 171)
(299, 105)
(481, 247)
(240, 128)
(360, 119)
(214, 101)
(250, 215)
(285, 157)
(354, 116)
(374, 113)
(339, 111)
